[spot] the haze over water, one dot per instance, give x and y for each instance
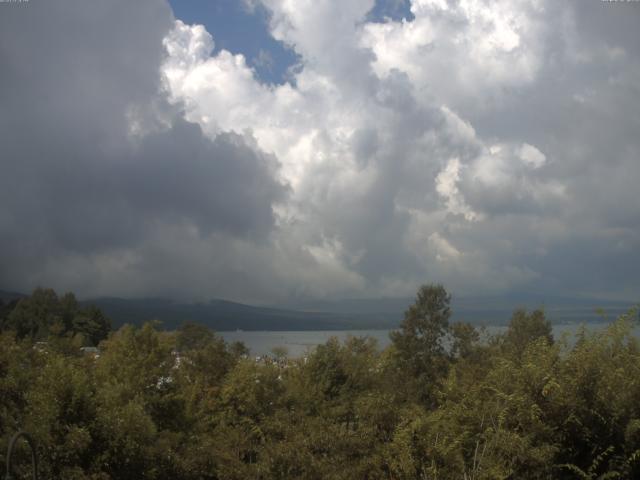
(299, 343)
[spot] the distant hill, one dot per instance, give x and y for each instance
(485, 310)
(558, 309)
(7, 296)
(345, 314)
(223, 315)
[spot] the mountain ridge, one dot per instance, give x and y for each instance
(344, 314)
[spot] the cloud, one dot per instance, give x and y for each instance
(264, 60)
(463, 53)
(447, 186)
(490, 146)
(455, 128)
(97, 165)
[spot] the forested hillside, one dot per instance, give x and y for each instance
(186, 405)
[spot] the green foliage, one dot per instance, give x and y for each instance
(464, 338)
(44, 315)
(420, 355)
(192, 336)
(442, 402)
(525, 328)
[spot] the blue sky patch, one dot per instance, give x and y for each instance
(390, 9)
(239, 30)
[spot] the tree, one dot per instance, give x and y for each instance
(92, 324)
(43, 315)
(419, 348)
(35, 316)
(525, 328)
(464, 338)
(192, 336)
(5, 309)
(60, 413)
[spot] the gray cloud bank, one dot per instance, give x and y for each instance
(489, 147)
(96, 163)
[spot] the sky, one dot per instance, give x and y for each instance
(271, 151)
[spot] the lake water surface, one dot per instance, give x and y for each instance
(299, 343)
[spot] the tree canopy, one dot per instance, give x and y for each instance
(443, 401)
(44, 313)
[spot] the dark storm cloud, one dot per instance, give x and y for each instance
(491, 146)
(93, 158)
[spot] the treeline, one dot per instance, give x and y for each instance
(44, 315)
(444, 401)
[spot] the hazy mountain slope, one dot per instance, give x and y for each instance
(7, 296)
(343, 314)
(223, 315)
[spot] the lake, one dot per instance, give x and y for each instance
(299, 343)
